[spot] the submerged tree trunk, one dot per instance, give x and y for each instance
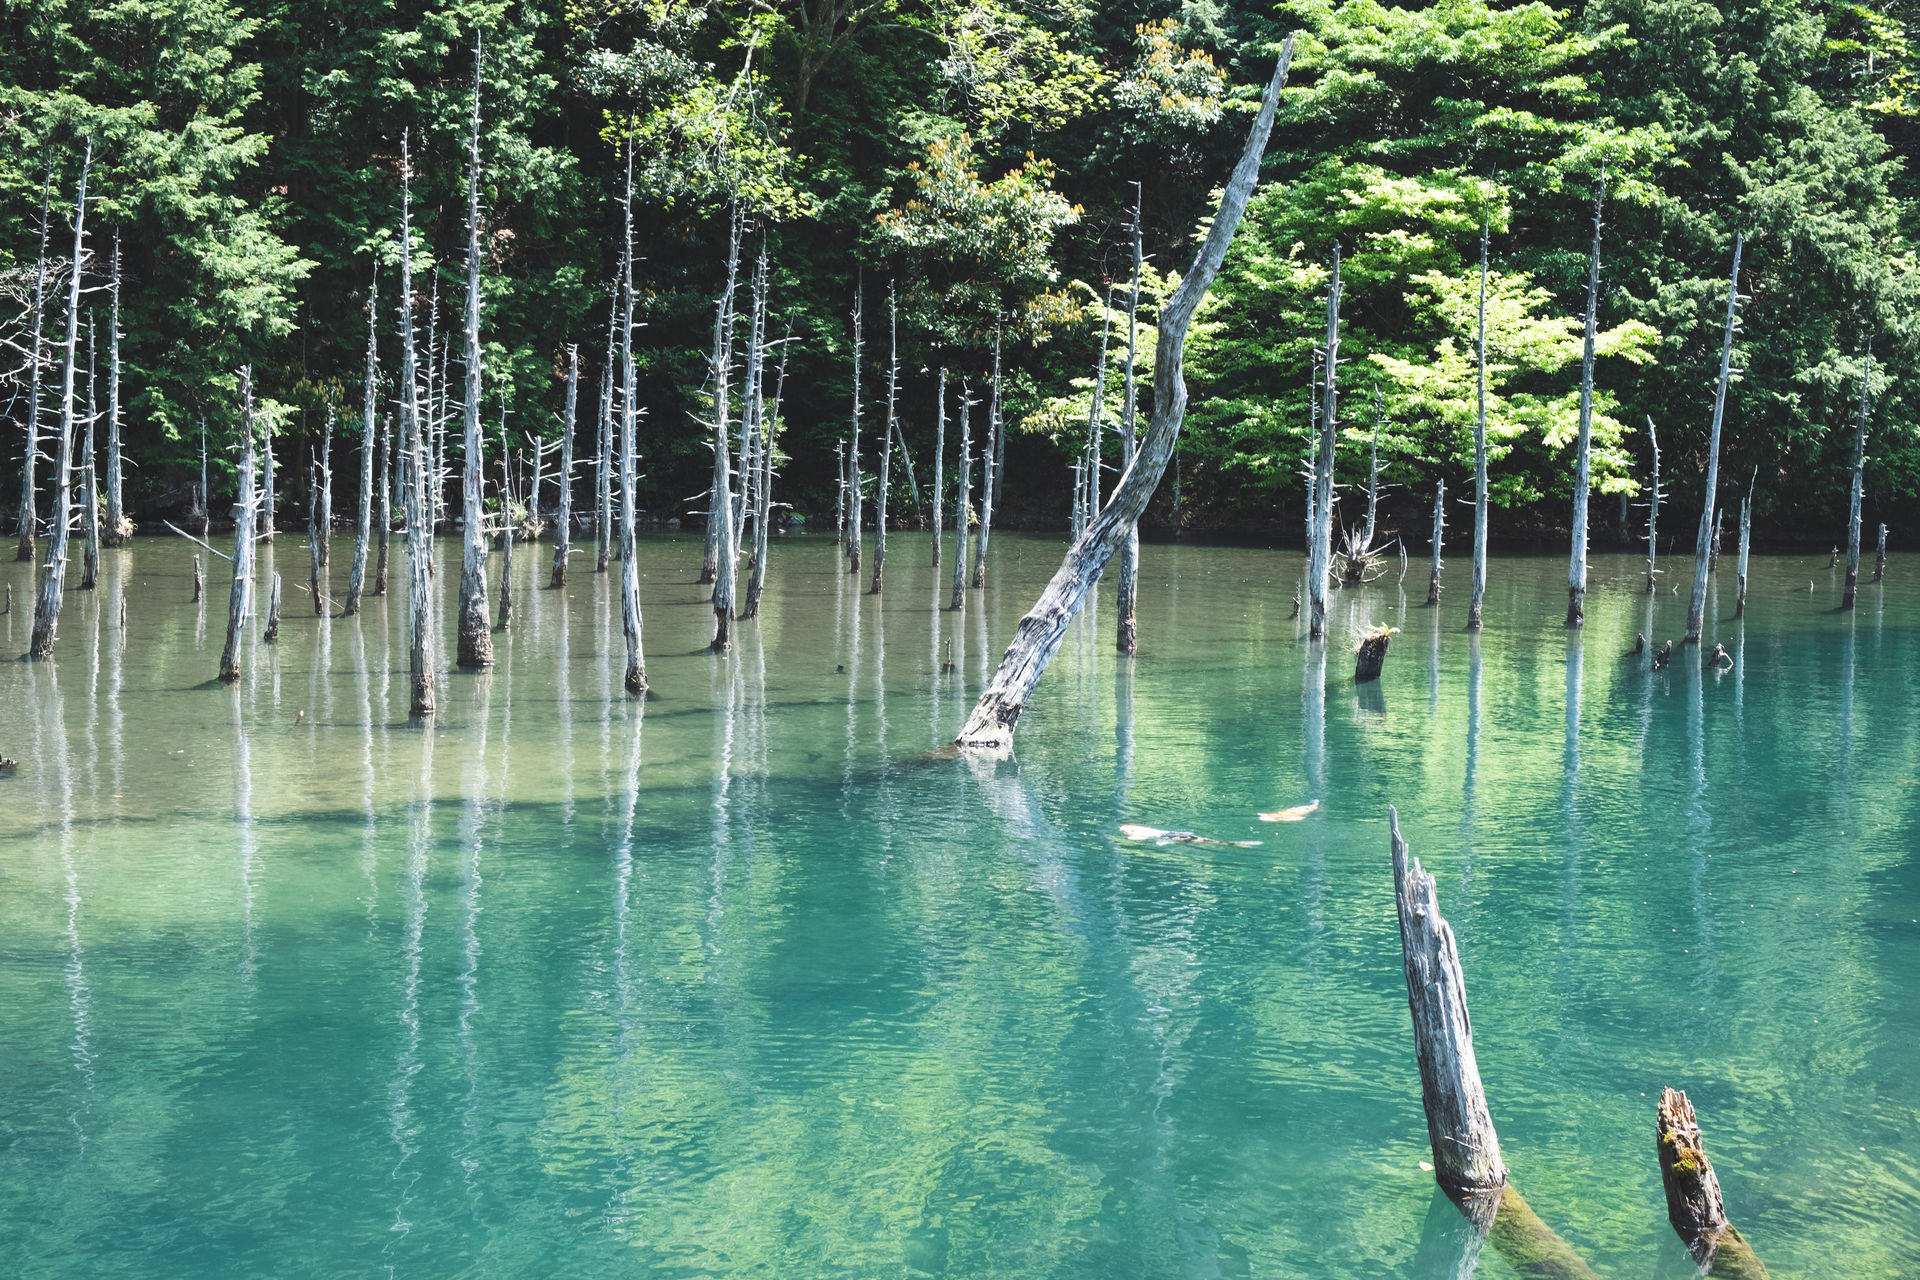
(990, 728)
(1320, 553)
(990, 480)
(1653, 509)
(1583, 462)
(238, 599)
(26, 546)
(1856, 491)
(1879, 557)
(963, 499)
(1087, 492)
(267, 514)
(719, 494)
(1479, 580)
(421, 644)
(385, 513)
(853, 449)
(1746, 538)
(271, 633)
(1703, 545)
(886, 450)
(90, 499)
(46, 608)
(763, 512)
(118, 527)
(635, 680)
(1439, 526)
(939, 463)
(363, 530)
(320, 525)
(504, 621)
(1695, 1206)
(563, 514)
(1128, 640)
(199, 582)
(476, 641)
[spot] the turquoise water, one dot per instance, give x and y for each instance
(744, 985)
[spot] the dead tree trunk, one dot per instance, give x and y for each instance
(118, 527)
(90, 493)
(46, 608)
(886, 449)
(26, 547)
(363, 532)
(752, 402)
(1128, 640)
(1879, 555)
(990, 728)
(840, 496)
(1746, 539)
(476, 642)
(1583, 461)
(421, 640)
(504, 620)
(1856, 491)
(963, 499)
(1694, 1204)
(1439, 526)
(603, 476)
(267, 514)
(1653, 509)
(1703, 545)
(720, 493)
(1088, 491)
(1320, 553)
(1359, 552)
(990, 481)
(199, 581)
(385, 512)
(1371, 654)
(636, 675)
(321, 525)
(1479, 580)
(939, 464)
(763, 513)
(271, 633)
(853, 450)
(239, 599)
(563, 514)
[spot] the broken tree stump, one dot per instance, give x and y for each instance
(199, 581)
(1694, 1204)
(1880, 556)
(1371, 654)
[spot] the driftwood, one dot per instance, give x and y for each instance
(1694, 1204)
(240, 597)
(1703, 545)
(1583, 462)
(1854, 494)
(990, 728)
(476, 642)
(1479, 580)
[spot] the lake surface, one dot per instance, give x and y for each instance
(742, 984)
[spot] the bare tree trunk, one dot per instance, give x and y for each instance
(1583, 459)
(1128, 640)
(1089, 495)
(267, 514)
(118, 527)
(990, 728)
(1856, 490)
(322, 532)
(90, 501)
(385, 513)
(421, 641)
(763, 513)
(963, 499)
(239, 600)
(720, 493)
(1697, 605)
(1439, 527)
(1879, 555)
(29, 497)
(46, 608)
(1746, 539)
(630, 621)
(603, 478)
(206, 508)
(853, 450)
(1653, 509)
(199, 581)
(476, 642)
(1319, 554)
(563, 514)
(1695, 1206)
(271, 634)
(886, 445)
(363, 532)
(990, 481)
(939, 464)
(840, 496)
(1360, 551)
(1479, 581)
(505, 619)
(752, 402)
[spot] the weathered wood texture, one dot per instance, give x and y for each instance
(1320, 550)
(243, 509)
(117, 527)
(1855, 490)
(1695, 1206)
(1478, 585)
(1370, 655)
(1583, 454)
(1439, 528)
(635, 680)
(476, 639)
(1128, 640)
(939, 464)
(990, 728)
(992, 459)
(1703, 544)
(963, 500)
(369, 426)
(28, 533)
(46, 606)
(563, 512)
(421, 641)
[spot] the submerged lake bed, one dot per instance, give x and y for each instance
(750, 979)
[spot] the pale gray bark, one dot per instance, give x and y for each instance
(385, 512)
(267, 472)
(603, 461)
(320, 524)
(1653, 509)
(421, 645)
(1089, 488)
(29, 530)
(1703, 545)
(886, 444)
(1319, 552)
(720, 492)
(90, 491)
(46, 607)
(990, 481)
(1746, 540)
(117, 527)
(1479, 580)
(476, 641)
(763, 489)
(239, 599)
(1439, 527)
(504, 619)
(1857, 488)
(563, 513)
(1129, 638)
(939, 464)
(1583, 457)
(635, 680)
(363, 531)
(853, 449)
(963, 498)
(1879, 557)
(990, 728)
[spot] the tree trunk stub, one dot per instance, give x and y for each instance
(1370, 656)
(1694, 1203)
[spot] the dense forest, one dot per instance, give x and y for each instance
(981, 164)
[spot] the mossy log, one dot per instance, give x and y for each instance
(1695, 1206)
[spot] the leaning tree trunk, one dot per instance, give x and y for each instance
(46, 609)
(563, 514)
(886, 446)
(1856, 491)
(1583, 464)
(118, 528)
(1695, 1206)
(421, 640)
(1128, 641)
(29, 497)
(1478, 585)
(239, 599)
(939, 463)
(963, 498)
(1746, 540)
(636, 675)
(990, 480)
(476, 641)
(1320, 552)
(369, 405)
(990, 728)
(1439, 526)
(1703, 545)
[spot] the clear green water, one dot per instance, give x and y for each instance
(745, 986)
